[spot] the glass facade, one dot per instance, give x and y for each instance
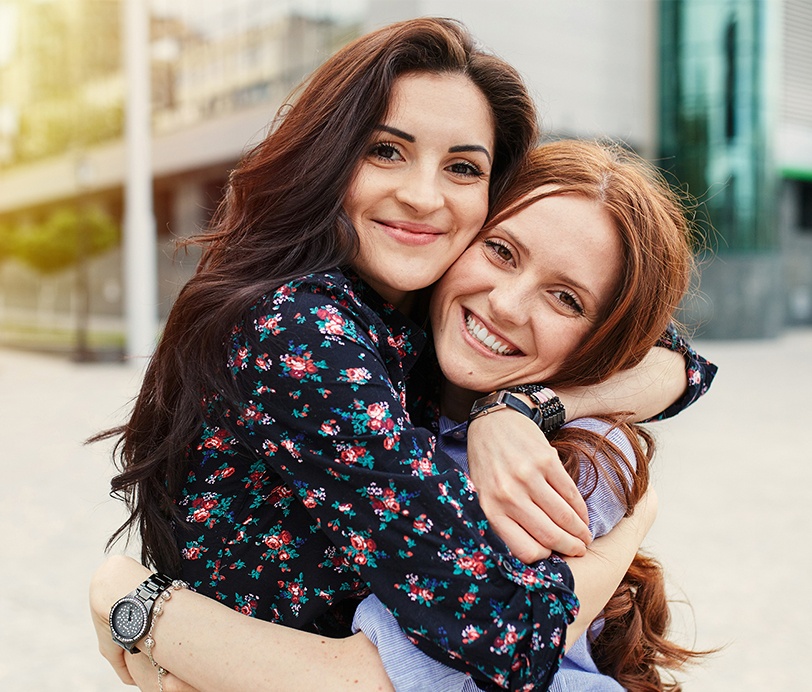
(714, 119)
(715, 133)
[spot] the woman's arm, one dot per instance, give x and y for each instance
(531, 503)
(212, 647)
(601, 570)
(320, 403)
(215, 648)
(647, 389)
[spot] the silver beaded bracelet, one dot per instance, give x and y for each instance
(149, 642)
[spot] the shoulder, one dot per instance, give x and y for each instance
(615, 435)
(322, 295)
(331, 285)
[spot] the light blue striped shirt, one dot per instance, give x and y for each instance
(410, 670)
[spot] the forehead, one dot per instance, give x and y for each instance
(448, 99)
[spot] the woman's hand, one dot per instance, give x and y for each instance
(115, 578)
(145, 676)
(528, 497)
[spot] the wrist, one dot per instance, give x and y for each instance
(573, 400)
(115, 577)
(551, 410)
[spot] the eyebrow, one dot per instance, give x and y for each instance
(564, 277)
(458, 149)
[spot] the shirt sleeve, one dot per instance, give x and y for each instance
(699, 370)
(598, 489)
(409, 668)
(320, 400)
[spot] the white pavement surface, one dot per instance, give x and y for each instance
(733, 476)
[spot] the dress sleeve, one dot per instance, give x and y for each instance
(699, 370)
(320, 400)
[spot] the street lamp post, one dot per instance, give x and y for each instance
(84, 181)
(140, 243)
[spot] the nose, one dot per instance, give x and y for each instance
(510, 303)
(420, 190)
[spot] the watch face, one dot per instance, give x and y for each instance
(128, 619)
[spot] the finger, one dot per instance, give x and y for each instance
(540, 510)
(118, 662)
(520, 543)
(542, 529)
(562, 483)
(548, 501)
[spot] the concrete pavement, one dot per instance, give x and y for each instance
(733, 477)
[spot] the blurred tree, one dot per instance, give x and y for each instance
(65, 239)
(69, 239)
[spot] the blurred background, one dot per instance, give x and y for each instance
(119, 122)
(717, 92)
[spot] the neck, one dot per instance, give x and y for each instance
(456, 401)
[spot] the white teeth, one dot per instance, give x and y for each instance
(485, 337)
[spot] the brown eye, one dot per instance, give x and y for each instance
(469, 170)
(387, 152)
(500, 251)
(570, 301)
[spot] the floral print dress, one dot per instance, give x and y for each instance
(309, 485)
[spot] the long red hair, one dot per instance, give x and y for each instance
(633, 646)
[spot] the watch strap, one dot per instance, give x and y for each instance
(549, 413)
(504, 399)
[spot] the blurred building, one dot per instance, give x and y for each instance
(719, 92)
(218, 78)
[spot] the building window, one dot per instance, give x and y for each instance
(805, 205)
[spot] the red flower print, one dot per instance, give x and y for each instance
(329, 427)
(376, 411)
(352, 454)
(298, 366)
(357, 374)
(475, 564)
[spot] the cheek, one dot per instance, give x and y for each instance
(478, 212)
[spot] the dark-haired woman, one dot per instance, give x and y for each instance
(270, 459)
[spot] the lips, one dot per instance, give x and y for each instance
(490, 341)
(411, 233)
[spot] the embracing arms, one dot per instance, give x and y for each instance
(528, 497)
(214, 648)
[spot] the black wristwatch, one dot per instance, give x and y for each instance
(130, 616)
(503, 399)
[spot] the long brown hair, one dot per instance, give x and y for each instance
(281, 218)
(633, 646)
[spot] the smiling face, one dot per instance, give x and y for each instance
(526, 293)
(420, 194)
